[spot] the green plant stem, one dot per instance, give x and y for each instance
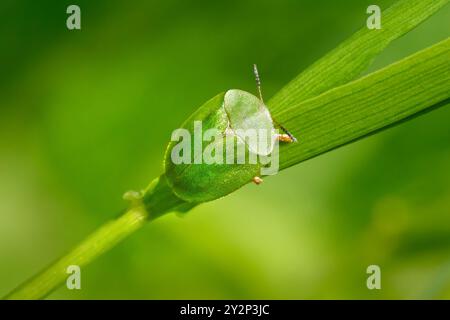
(105, 238)
(157, 199)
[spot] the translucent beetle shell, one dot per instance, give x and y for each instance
(231, 113)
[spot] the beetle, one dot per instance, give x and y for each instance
(230, 113)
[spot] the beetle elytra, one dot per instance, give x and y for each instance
(233, 114)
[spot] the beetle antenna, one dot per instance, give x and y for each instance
(258, 86)
(258, 82)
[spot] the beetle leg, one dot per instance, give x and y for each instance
(284, 137)
(257, 180)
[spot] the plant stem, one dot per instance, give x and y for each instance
(156, 199)
(95, 245)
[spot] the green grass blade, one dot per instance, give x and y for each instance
(381, 99)
(353, 56)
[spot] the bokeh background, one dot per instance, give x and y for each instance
(85, 116)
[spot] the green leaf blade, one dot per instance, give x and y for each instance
(353, 56)
(354, 110)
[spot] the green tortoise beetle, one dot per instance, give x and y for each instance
(194, 177)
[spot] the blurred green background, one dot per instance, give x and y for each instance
(85, 116)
